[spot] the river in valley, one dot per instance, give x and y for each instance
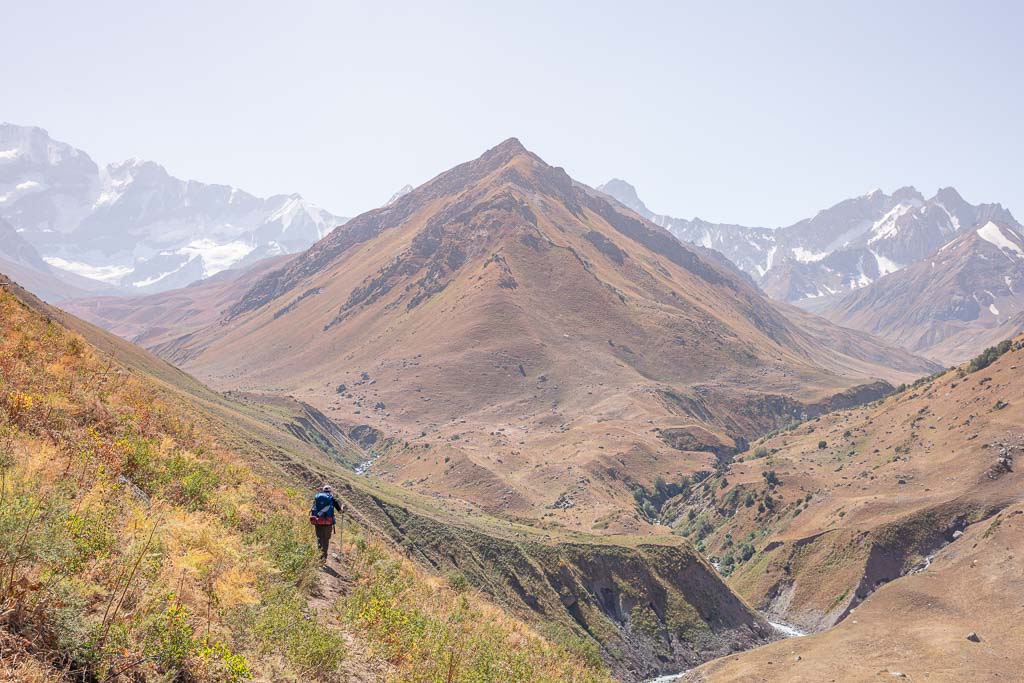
(785, 629)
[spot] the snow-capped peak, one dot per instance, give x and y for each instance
(132, 223)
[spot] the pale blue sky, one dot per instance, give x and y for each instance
(752, 112)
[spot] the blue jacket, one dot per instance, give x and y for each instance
(324, 505)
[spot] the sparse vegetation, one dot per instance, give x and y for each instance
(650, 503)
(429, 631)
(989, 356)
(133, 545)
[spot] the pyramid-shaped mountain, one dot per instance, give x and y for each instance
(522, 341)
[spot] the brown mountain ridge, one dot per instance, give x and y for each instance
(531, 346)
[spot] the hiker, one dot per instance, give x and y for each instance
(322, 518)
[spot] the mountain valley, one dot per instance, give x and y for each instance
(525, 345)
(541, 406)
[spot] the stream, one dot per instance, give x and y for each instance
(784, 629)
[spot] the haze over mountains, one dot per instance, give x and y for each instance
(527, 341)
(614, 432)
(962, 298)
(75, 230)
(852, 249)
(133, 226)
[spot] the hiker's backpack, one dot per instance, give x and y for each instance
(322, 513)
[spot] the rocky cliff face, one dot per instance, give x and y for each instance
(653, 608)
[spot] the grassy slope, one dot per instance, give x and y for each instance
(915, 628)
(633, 598)
(825, 522)
(135, 541)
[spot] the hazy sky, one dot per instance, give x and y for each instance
(758, 113)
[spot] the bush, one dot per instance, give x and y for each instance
(458, 582)
(282, 624)
(168, 636)
(290, 546)
(822, 445)
(219, 663)
(988, 356)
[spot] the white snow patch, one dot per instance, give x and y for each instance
(807, 256)
(157, 278)
(27, 185)
(990, 232)
(216, 257)
(993, 309)
(953, 220)
(106, 197)
(888, 225)
(885, 265)
(111, 274)
(9, 154)
(862, 281)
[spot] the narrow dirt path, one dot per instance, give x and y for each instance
(334, 583)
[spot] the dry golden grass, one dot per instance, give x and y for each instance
(132, 542)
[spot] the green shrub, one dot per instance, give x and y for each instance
(221, 664)
(458, 582)
(988, 356)
(283, 624)
(291, 548)
(168, 638)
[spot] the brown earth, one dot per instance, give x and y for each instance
(157, 318)
(522, 340)
(916, 628)
(645, 604)
(899, 521)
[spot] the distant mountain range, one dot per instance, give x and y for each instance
(854, 261)
(965, 296)
(132, 225)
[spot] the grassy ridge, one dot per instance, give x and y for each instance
(135, 540)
